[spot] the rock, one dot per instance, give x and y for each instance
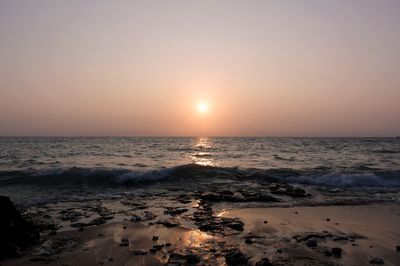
(36, 259)
(192, 259)
(237, 225)
(378, 261)
(236, 257)
(337, 252)
(265, 222)
(311, 243)
(288, 190)
(155, 238)
(248, 241)
(175, 211)
(9, 251)
(398, 248)
(328, 219)
(158, 247)
(327, 253)
(124, 242)
(264, 262)
(135, 218)
(15, 232)
(140, 252)
(169, 223)
(97, 221)
(81, 229)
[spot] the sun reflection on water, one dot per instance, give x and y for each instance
(195, 238)
(203, 154)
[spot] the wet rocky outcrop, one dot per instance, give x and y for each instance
(16, 233)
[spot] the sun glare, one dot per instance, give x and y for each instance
(202, 107)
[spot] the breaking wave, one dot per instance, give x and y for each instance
(191, 172)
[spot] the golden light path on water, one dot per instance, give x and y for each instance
(203, 157)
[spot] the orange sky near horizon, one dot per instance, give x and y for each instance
(265, 68)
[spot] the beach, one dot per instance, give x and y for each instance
(170, 232)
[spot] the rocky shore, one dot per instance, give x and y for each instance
(200, 228)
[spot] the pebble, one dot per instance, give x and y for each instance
(140, 252)
(337, 252)
(124, 242)
(155, 238)
(312, 243)
(377, 261)
(248, 241)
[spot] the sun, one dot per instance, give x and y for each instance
(202, 107)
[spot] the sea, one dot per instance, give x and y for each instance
(36, 170)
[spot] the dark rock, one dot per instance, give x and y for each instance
(311, 243)
(279, 251)
(158, 247)
(339, 238)
(237, 225)
(236, 257)
(175, 211)
(287, 190)
(337, 252)
(9, 250)
(81, 229)
(140, 252)
(192, 259)
(328, 253)
(378, 261)
(248, 241)
(36, 259)
(328, 219)
(155, 238)
(124, 242)
(169, 223)
(152, 250)
(98, 221)
(135, 218)
(264, 262)
(398, 248)
(15, 231)
(265, 222)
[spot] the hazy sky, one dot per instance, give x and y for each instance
(273, 68)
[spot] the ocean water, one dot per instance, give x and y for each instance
(78, 164)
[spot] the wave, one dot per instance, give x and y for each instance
(319, 176)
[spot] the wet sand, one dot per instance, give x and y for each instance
(201, 233)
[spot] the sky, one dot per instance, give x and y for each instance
(139, 68)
